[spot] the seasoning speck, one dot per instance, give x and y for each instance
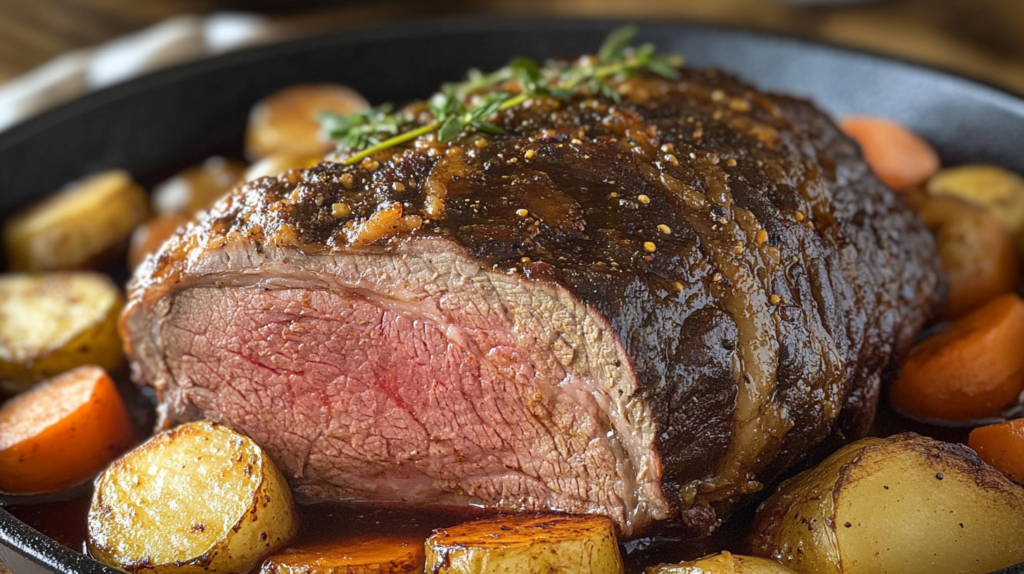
(775, 299)
(800, 216)
(614, 195)
(530, 154)
(650, 247)
(398, 186)
(664, 229)
(731, 162)
(525, 260)
(940, 476)
(717, 96)
(643, 199)
(522, 212)
(576, 141)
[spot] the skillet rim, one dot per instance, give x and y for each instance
(21, 544)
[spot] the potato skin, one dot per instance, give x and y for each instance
(901, 504)
(722, 563)
(218, 506)
(976, 252)
(51, 323)
(78, 227)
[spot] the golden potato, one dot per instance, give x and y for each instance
(78, 226)
(565, 544)
(51, 323)
(198, 187)
(359, 555)
(904, 504)
(976, 252)
(149, 236)
(285, 122)
(275, 165)
(998, 191)
(722, 563)
(197, 498)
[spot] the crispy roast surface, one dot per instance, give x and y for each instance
(644, 309)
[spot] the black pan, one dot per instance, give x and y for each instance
(159, 123)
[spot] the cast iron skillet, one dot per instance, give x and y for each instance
(159, 123)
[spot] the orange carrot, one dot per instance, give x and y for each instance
(1002, 446)
(360, 554)
(898, 156)
(61, 432)
(971, 370)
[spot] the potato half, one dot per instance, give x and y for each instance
(285, 122)
(359, 555)
(197, 498)
(904, 504)
(977, 254)
(54, 322)
(722, 563)
(994, 189)
(77, 226)
(564, 544)
(197, 187)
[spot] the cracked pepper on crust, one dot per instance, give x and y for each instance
(644, 309)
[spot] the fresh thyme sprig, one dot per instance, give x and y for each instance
(378, 129)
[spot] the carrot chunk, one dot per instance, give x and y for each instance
(970, 371)
(61, 432)
(898, 156)
(1002, 446)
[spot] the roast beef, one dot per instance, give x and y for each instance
(643, 308)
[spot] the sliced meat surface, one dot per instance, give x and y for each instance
(646, 308)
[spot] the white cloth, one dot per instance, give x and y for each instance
(173, 41)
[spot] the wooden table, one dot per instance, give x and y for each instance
(980, 38)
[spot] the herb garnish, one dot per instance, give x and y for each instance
(458, 107)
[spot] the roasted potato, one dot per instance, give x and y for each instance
(566, 544)
(275, 165)
(54, 322)
(149, 236)
(976, 252)
(998, 191)
(904, 504)
(285, 122)
(78, 226)
(197, 498)
(722, 563)
(198, 187)
(359, 555)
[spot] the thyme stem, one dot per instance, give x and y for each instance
(399, 139)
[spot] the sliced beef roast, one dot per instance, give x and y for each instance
(644, 309)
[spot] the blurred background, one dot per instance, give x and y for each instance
(980, 38)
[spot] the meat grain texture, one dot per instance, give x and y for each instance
(645, 309)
